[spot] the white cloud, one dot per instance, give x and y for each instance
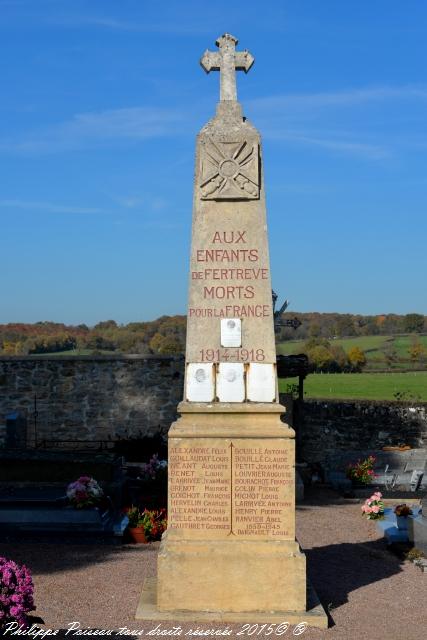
(133, 124)
(349, 97)
(130, 202)
(177, 28)
(150, 204)
(291, 117)
(337, 144)
(49, 207)
(97, 128)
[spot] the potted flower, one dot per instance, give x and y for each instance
(362, 471)
(154, 470)
(374, 507)
(84, 492)
(402, 511)
(152, 483)
(16, 593)
(146, 526)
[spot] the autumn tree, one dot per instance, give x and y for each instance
(416, 350)
(356, 358)
(314, 330)
(105, 325)
(413, 323)
(321, 358)
(339, 357)
(345, 326)
(390, 353)
(165, 344)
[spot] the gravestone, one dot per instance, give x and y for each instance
(16, 430)
(230, 551)
(417, 527)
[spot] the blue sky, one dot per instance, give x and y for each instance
(102, 100)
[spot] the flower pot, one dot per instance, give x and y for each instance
(402, 522)
(138, 535)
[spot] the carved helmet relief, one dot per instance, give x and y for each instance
(229, 170)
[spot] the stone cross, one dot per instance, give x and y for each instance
(227, 60)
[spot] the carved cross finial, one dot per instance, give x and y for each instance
(227, 60)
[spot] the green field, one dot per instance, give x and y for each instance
(368, 386)
(402, 344)
(366, 343)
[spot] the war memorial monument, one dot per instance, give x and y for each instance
(230, 552)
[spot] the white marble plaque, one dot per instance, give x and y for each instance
(200, 382)
(261, 382)
(230, 382)
(231, 332)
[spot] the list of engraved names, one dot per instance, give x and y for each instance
(237, 487)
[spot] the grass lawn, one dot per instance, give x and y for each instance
(402, 344)
(368, 386)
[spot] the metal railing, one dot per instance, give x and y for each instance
(76, 445)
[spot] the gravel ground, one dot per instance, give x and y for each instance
(367, 590)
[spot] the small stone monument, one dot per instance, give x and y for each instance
(230, 551)
(417, 528)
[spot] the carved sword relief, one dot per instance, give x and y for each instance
(229, 170)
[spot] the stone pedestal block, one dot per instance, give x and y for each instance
(230, 551)
(230, 575)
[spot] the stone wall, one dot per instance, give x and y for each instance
(329, 430)
(104, 397)
(91, 398)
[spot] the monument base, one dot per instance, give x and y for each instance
(314, 616)
(230, 553)
(232, 574)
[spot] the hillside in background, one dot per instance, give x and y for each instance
(380, 352)
(386, 341)
(340, 325)
(166, 335)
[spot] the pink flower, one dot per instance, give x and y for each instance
(16, 592)
(375, 509)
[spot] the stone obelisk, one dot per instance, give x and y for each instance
(230, 551)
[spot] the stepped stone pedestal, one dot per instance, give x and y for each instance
(230, 553)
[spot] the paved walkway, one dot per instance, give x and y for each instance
(369, 592)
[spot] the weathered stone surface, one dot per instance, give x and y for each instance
(227, 60)
(331, 429)
(230, 547)
(223, 575)
(229, 264)
(231, 486)
(148, 610)
(91, 398)
(229, 267)
(231, 504)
